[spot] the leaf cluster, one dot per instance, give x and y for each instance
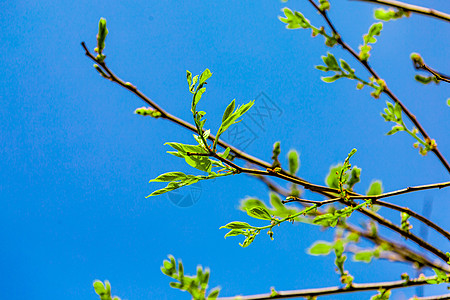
(195, 285)
(104, 290)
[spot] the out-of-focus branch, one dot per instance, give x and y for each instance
(412, 8)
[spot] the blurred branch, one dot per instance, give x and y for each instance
(412, 8)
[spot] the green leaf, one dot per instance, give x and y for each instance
(320, 248)
(346, 66)
(294, 162)
(331, 79)
(189, 78)
(398, 111)
(228, 111)
(331, 62)
(375, 189)
(355, 177)
(202, 163)
(365, 256)
(99, 287)
(332, 179)
(171, 176)
(237, 225)
(322, 68)
(204, 76)
(326, 220)
(225, 153)
(259, 212)
(395, 129)
(235, 232)
(197, 97)
(213, 294)
(101, 36)
(232, 118)
(375, 30)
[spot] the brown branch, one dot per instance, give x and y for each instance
(405, 191)
(335, 290)
(386, 90)
(415, 215)
(406, 253)
(328, 192)
(318, 203)
(412, 8)
(438, 297)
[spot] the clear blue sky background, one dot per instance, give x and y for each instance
(75, 161)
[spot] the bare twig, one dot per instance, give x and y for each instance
(405, 191)
(412, 8)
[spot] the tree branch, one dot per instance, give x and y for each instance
(328, 192)
(386, 90)
(335, 290)
(412, 8)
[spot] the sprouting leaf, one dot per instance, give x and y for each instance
(275, 152)
(346, 66)
(395, 129)
(235, 232)
(376, 188)
(331, 79)
(332, 179)
(202, 163)
(355, 177)
(331, 62)
(365, 256)
(259, 212)
(204, 76)
(228, 111)
(189, 78)
(294, 20)
(197, 97)
(213, 294)
(387, 15)
(326, 220)
(237, 225)
(320, 248)
(294, 162)
(232, 118)
(171, 176)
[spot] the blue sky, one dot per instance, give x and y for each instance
(76, 161)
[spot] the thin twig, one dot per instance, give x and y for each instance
(386, 90)
(405, 191)
(406, 253)
(415, 215)
(412, 8)
(335, 290)
(318, 203)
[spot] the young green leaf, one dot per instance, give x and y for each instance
(376, 188)
(204, 76)
(259, 212)
(320, 248)
(365, 256)
(294, 162)
(237, 225)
